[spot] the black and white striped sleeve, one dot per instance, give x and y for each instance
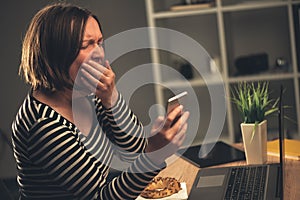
(57, 150)
(126, 129)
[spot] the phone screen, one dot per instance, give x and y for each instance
(174, 101)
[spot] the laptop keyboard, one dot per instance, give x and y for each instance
(246, 183)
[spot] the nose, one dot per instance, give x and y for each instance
(98, 54)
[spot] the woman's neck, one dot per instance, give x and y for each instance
(54, 99)
(75, 108)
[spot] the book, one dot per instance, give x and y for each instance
(292, 148)
(182, 7)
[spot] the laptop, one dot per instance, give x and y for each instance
(229, 182)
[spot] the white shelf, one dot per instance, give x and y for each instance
(262, 77)
(169, 14)
(210, 79)
(224, 29)
(254, 5)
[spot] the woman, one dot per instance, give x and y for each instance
(61, 153)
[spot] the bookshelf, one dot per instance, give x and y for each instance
(228, 30)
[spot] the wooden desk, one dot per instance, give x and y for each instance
(186, 172)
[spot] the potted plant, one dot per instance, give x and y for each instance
(253, 103)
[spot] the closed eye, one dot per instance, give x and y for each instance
(87, 43)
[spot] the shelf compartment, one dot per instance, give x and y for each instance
(206, 39)
(248, 33)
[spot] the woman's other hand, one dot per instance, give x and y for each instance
(100, 80)
(165, 138)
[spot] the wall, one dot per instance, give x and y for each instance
(115, 16)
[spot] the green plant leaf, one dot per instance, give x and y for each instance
(253, 102)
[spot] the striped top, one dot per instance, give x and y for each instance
(56, 161)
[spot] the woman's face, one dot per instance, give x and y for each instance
(92, 41)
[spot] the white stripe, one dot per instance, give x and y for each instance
(41, 130)
(114, 189)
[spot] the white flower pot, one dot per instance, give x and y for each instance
(256, 147)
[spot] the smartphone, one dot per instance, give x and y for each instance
(173, 102)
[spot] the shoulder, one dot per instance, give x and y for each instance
(33, 113)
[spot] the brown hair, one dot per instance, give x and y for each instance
(51, 44)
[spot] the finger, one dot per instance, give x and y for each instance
(106, 80)
(91, 70)
(182, 120)
(159, 120)
(97, 66)
(178, 126)
(88, 85)
(181, 134)
(182, 131)
(172, 115)
(108, 72)
(107, 64)
(89, 77)
(158, 124)
(91, 82)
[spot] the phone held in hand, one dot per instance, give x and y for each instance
(173, 102)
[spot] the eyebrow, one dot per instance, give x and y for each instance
(91, 38)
